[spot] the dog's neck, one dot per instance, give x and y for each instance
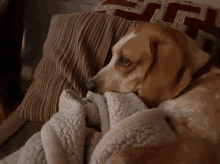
(201, 73)
(205, 69)
(213, 61)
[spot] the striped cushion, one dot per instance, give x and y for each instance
(76, 48)
(79, 45)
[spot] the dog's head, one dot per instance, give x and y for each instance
(154, 61)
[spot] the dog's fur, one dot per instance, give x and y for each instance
(158, 63)
(163, 63)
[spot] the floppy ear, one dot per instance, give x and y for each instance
(197, 57)
(171, 71)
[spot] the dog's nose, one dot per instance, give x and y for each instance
(90, 86)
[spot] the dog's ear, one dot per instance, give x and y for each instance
(171, 71)
(197, 57)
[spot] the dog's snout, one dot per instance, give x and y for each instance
(90, 86)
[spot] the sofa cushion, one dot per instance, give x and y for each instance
(79, 45)
(37, 21)
(76, 48)
(200, 22)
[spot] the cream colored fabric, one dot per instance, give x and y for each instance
(13, 158)
(126, 123)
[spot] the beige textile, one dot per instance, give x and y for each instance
(127, 123)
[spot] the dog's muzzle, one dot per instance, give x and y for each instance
(91, 86)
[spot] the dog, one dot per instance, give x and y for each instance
(160, 63)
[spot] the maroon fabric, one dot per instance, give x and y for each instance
(200, 22)
(174, 7)
(146, 16)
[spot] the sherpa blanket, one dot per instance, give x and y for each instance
(90, 130)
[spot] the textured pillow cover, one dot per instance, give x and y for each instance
(79, 45)
(76, 48)
(200, 22)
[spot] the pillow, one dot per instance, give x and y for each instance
(76, 48)
(200, 22)
(79, 45)
(37, 20)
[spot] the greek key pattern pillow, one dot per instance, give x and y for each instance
(200, 22)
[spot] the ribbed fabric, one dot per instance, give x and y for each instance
(76, 48)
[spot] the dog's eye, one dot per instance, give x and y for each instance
(124, 62)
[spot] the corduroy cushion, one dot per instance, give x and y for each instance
(79, 45)
(76, 48)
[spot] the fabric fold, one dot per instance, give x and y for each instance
(67, 137)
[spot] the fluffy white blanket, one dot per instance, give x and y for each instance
(70, 136)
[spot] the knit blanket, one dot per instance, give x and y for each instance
(90, 130)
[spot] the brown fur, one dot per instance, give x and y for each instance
(161, 63)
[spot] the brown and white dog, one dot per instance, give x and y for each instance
(158, 63)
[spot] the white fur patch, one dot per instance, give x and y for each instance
(123, 40)
(111, 64)
(117, 47)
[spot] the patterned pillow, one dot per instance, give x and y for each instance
(200, 22)
(79, 45)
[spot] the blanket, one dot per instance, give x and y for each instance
(90, 130)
